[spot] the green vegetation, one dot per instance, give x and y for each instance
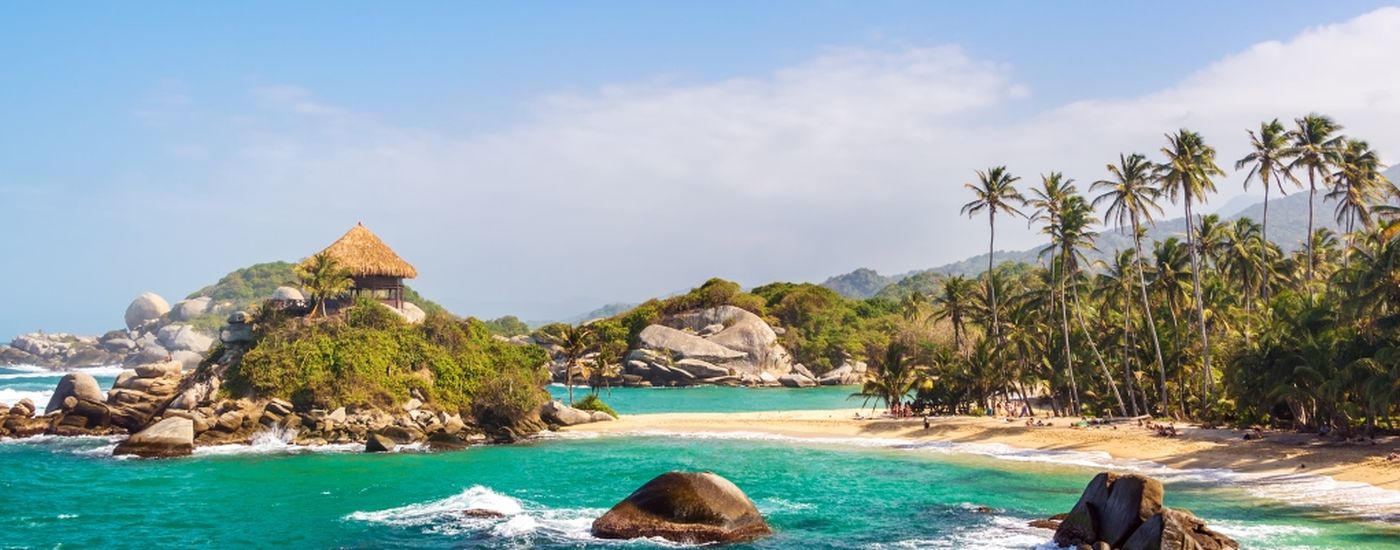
(370, 356)
(323, 279)
(507, 326)
(1223, 326)
(249, 285)
(592, 402)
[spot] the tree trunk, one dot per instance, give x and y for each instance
(1207, 384)
(1107, 375)
(1069, 361)
(1147, 311)
(1312, 195)
(1264, 241)
(1127, 371)
(991, 275)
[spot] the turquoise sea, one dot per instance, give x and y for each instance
(70, 493)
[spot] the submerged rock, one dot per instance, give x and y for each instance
(170, 437)
(684, 507)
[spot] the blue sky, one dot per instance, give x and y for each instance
(545, 158)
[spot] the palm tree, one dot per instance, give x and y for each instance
(1073, 238)
(954, 304)
(1267, 162)
(1114, 284)
(891, 375)
(323, 279)
(911, 306)
(1049, 203)
(573, 341)
(1316, 147)
(995, 192)
(1187, 175)
(1132, 199)
(1359, 186)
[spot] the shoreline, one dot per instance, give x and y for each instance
(1278, 458)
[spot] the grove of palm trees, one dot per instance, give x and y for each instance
(1221, 325)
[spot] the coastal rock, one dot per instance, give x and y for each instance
(556, 412)
(411, 313)
(689, 508)
(701, 369)
(24, 408)
(79, 385)
(187, 310)
(796, 381)
(145, 308)
(1125, 511)
(170, 437)
(188, 339)
(743, 332)
(379, 443)
(687, 346)
(287, 294)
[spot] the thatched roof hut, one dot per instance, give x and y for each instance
(365, 255)
(376, 269)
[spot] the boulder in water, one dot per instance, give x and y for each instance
(684, 507)
(170, 437)
(1126, 512)
(380, 443)
(80, 385)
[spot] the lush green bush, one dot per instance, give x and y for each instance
(371, 356)
(593, 403)
(507, 326)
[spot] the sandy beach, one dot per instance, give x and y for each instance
(1276, 453)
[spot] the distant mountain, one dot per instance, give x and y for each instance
(861, 283)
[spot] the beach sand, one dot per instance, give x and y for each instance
(1276, 453)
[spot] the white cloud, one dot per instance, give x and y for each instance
(855, 157)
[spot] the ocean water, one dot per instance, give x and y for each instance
(69, 492)
(717, 398)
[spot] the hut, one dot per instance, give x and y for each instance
(376, 270)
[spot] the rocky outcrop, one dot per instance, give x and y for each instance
(723, 345)
(139, 394)
(170, 437)
(559, 414)
(288, 294)
(19, 420)
(146, 308)
(847, 374)
(1126, 512)
(411, 313)
(688, 508)
(78, 385)
(188, 310)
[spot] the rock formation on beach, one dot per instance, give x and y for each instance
(684, 507)
(1126, 512)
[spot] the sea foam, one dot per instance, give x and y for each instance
(518, 519)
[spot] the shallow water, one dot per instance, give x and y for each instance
(718, 399)
(818, 494)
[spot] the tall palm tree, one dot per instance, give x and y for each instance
(954, 304)
(892, 374)
(1131, 200)
(1074, 238)
(1359, 186)
(1114, 284)
(995, 192)
(323, 279)
(1187, 174)
(1267, 162)
(1316, 148)
(1049, 203)
(574, 341)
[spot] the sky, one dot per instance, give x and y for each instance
(542, 159)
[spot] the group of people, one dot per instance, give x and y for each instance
(1163, 430)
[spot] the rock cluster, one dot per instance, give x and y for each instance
(722, 345)
(689, 508)
(1126, 512)
(154, 331)
(559, 414)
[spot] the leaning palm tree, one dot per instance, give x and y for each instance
(1316, 148)
(323, 279)
(1131, 200)
(1267, 162)
(1187, 175)
(1074, 238)
(573, 341)
(996, 192)
(1049, 203)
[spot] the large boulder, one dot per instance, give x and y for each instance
(188, 339)
(411, 313)
(170, 437)
(145, 308)
(287, 294)
(1126, 512)
(685, 345)
(556, 412)
(743, 332)
(689, 508)
(80, 385)
(187, 310)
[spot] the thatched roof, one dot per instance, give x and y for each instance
(365, 255)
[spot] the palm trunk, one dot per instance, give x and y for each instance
(1069, 361)
(1264, 240)
(1107, 375)
(1207, 385)
(569, 380)
(1127, 373)
(1147, 310)
(991, 275)
(1312, 195)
